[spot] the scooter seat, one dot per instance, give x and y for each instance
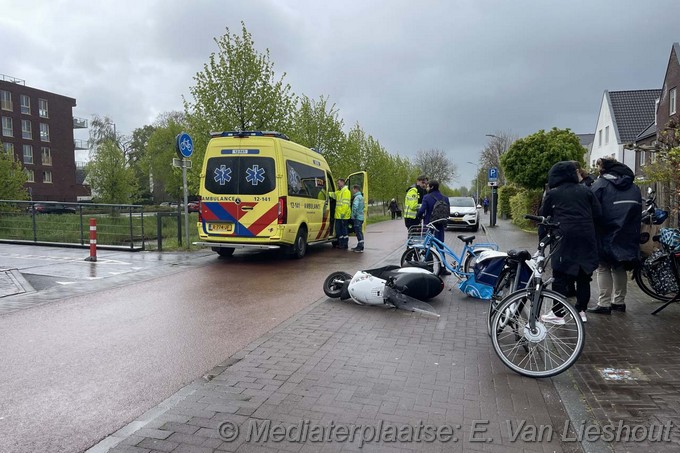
(466, 239)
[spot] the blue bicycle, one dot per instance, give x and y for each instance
(422, 246)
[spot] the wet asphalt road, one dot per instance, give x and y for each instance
(77, 369)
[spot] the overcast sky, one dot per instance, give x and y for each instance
(414, 74)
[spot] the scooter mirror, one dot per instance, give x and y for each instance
(649, 191)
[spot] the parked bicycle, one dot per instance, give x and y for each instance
(657, 273)
(525, 338)
(423, 246)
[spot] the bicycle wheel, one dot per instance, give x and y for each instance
(550, 349)
(501, 290)
(471, 260)
(423, 255)
(646, 287)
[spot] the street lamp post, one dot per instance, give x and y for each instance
(476, 179)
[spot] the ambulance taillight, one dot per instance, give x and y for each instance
(283, 213)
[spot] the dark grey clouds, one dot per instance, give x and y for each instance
(415, 75)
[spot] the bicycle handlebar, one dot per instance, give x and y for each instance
(545, 221)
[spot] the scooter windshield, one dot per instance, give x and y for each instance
(408, 303)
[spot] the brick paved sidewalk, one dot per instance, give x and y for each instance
(338, 363)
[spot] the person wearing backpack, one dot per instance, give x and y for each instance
(435, 207)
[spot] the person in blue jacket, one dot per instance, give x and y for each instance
(358, 217)
(433, 195)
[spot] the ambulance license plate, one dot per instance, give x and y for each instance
(221, 227)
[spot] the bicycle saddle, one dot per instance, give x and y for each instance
(466, 239)
(519, 255)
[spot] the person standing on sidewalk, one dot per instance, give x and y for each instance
(343, 211)
(358, 217)
(618, 232)
(414, 198)
(574, 207)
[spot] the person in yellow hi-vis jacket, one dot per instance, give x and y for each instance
(414, 197)
(343, 211)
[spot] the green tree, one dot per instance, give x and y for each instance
(237, 90)
(528, 160)
(109, 176)
(13, 178)
(317, 125)
(136, 159)
(160, 150)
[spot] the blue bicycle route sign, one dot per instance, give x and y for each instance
(185, 146)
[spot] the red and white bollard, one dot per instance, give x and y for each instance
(93, 240)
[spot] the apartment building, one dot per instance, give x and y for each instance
(37, 128)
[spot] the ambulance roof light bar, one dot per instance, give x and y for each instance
(244, 134)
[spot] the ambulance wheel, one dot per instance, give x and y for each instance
(333, 284)
(224, 252)
(300, 245)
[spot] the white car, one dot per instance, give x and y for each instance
(463, 213)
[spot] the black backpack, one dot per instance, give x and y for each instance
(440, 210)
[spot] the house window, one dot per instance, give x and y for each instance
(45, 155)
(599, 137)
(653, 158)
(8, 148)
(47, 176)
(606, 135)
(42, 108)
(7, 127)
(671, 102)
(44, 132)
(6, 100)
(28, 154)
(642, 158)
(26, 130)
(25, 104)
(30, 175)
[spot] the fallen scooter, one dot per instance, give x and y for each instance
(404, 288)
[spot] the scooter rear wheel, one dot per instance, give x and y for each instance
(333, 284)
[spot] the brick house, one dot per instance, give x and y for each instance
(37, 128)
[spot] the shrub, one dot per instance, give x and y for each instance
(504, 194)
(525, 202)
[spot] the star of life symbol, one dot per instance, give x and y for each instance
(222, 175)
(255, 175)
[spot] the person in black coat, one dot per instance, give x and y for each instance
(618, 232)
(574, 207)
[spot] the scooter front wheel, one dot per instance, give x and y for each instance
(333, 284)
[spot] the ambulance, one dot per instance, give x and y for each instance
(260, 190)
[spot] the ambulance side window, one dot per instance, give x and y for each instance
(305, 180)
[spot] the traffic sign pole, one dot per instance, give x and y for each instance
(185, 148)
(493, 182)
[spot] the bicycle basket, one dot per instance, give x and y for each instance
(671, 238)
(659, 271)
(416, 235)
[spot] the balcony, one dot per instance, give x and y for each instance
(80, 144)
(11, 79)
(79, 123)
